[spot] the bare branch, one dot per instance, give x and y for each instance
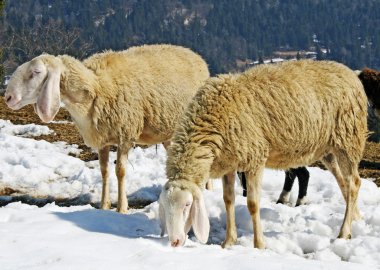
(25, 43)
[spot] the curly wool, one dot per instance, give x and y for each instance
(284, 116)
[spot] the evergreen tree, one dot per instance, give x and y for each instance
(222, 31)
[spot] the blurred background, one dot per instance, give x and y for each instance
(230, 35)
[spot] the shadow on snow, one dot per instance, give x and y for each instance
(133, 225)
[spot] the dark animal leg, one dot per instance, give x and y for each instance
(243, 182)
(303, 181)
(290, 176)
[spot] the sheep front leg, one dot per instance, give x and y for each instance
(103, 161)
(229, 201)
(253, 203)
(122, 157)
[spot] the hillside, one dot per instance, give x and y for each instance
(225, 32)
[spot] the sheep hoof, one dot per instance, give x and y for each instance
(122, 210)
(229, 242)
(284, 197)
(259, 244)
(344, 235)
(105, 205)
(302, 201)
(280, 201)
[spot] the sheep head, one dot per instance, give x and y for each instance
(370, 79)
(36, 82)
(181, 206)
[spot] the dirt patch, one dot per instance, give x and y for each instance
(65, 131)
(6, 191)
(66, 202)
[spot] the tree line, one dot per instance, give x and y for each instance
(222, 31)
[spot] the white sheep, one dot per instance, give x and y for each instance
(277, 116)
(115, 98)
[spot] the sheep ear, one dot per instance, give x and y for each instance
(161, 212)
(49, 99)
(188, 224)
(200, 222)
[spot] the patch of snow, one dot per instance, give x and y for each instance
(81, 237)
(30, 130)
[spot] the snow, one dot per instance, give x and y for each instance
(82, 237)
(42, 169)
(270, 61)
(6, 127)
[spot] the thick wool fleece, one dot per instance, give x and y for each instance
(135, 95)
(284, 116)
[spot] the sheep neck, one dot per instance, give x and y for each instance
(77, 93)
(190, 162)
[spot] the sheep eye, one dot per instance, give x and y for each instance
(187, 204)
(35, 72)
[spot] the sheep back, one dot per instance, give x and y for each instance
(286, 115)
(144, 87)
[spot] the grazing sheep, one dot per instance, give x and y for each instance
(293, 114)
(371, 81)
(115, 98)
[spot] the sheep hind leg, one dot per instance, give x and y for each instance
(229, 201)
(303, 176)
(352, 181)
(290, 176)
(253, 203)
(103, 161)
(122, 157)
(331, 163)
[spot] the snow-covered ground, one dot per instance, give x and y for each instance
(82, 237)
